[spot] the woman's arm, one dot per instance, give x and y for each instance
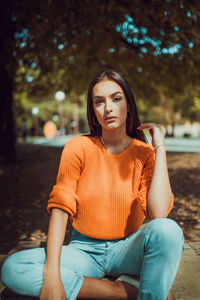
(52, 287)
(160, 194)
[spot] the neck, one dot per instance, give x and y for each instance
(115, 138)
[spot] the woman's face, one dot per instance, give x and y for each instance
(110, 105)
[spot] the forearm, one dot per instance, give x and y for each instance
(160, 195)
(56, 235)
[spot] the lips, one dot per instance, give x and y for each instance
(110, 118)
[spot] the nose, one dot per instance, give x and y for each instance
(108, 106)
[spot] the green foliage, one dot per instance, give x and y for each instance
(60, 45)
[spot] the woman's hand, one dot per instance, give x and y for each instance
(157, 133)
(52, 289)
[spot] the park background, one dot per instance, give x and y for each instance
(58, 46)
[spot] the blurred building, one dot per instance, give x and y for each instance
(187, 129)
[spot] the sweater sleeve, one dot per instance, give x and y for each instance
(145, 184)
(63, 194)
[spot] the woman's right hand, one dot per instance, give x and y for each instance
(52, 289)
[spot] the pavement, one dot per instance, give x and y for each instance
(186, 285)
(190, 145)
(187, 282)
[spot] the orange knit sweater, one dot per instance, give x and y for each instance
(104, 194)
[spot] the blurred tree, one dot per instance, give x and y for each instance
(7, 70)
(59, 45)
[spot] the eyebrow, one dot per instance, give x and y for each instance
(112, 95)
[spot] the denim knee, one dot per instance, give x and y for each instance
(18, 273)
(8, 271)
(166, 232)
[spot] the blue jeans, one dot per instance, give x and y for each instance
(153, 252)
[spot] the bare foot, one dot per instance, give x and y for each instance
(108, 290)
(127, 291)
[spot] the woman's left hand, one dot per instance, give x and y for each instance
(157, 133)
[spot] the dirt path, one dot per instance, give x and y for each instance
(25, 187)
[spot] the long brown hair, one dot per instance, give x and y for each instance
(132, 120)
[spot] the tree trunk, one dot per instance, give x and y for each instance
(7, 128)
(7, 72)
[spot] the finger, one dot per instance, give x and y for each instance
(151, 131)
(150, 125)
(146, 125)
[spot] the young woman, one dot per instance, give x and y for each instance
(108, 183)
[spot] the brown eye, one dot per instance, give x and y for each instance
(117, 99)
(98, 101)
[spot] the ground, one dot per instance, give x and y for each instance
(26, 184)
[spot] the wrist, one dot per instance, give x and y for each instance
(159, 147)
(51, 270)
